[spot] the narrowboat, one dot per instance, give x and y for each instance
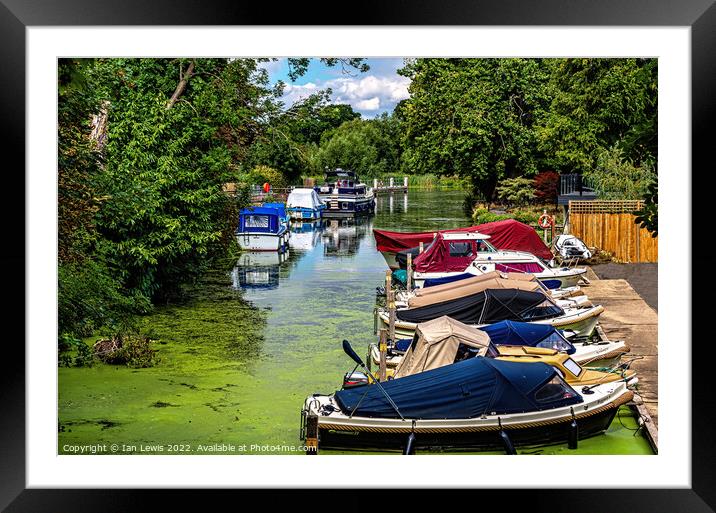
(261, 229)
(478, 403)
(304, 204)
(345, 195)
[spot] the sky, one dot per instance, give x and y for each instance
(371, 93)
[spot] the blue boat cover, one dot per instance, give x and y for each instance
(281, 207)
(403, 344)
(430, 282)
(463, 390)
(514, 333)
(273, 217)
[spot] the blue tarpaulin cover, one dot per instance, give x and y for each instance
(430, 282)
(281, 207)
(466, 389)
(272, 215)
(513, 333)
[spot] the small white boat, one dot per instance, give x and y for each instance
(304, 204)
(261, 229)
(454, 255)
(572, 248)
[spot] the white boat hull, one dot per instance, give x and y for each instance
(262, 241)
(581, 321)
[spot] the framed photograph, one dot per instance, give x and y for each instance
(80, 436)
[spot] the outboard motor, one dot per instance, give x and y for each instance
(354, 379)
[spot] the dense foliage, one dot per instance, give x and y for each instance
(489, 119)
(146, 146)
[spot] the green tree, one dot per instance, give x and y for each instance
(177, 129)
(473, 117)
(368, 147)
(598, 104)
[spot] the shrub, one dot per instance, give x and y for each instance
(73, 352)
(516, 191)
(545, 186)
(261, 174)
(88, 297)
(127, 348)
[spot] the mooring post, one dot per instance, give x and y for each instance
(409, 279)
(405, 182)
(311, 434)
(391, 182)
(375, 183)
(391, 316)
(388, 284)
(383, 346)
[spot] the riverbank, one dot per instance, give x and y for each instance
(207, 346)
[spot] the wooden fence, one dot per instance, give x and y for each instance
(610, 226)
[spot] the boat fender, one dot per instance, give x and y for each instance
(409, 448)
(572, 440)
(509, 447)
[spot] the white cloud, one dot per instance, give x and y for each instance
(372, 104)
(366, 94)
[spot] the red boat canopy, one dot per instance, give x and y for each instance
(507, 234)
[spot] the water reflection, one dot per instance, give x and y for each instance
(393, 203)
(304, 235)
(342, 237)
(258, 269)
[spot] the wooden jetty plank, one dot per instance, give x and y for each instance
(628, 317)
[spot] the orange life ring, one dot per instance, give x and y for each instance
(545, 221)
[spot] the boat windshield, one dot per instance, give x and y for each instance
(545, 310)
(485, 247)
(555, 341)
(256, 221)
(555, 390)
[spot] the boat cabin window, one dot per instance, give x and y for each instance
(460, 249)
(554, 341)
(555, 390)
(256, 221)
(544, 310)
(573, 367)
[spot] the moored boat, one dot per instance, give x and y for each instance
(303, 203)
(494, 305)
(345, 195)
(453, 254)
(479, 402)
(506, 334)
(507, 234)
(261, 229)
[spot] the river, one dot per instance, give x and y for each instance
(233, 379)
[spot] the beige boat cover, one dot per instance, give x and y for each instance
(469, 286)
(438, 343)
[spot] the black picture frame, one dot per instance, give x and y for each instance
(17, 15)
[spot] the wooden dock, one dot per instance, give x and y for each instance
(628, 317)
(391, 186)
